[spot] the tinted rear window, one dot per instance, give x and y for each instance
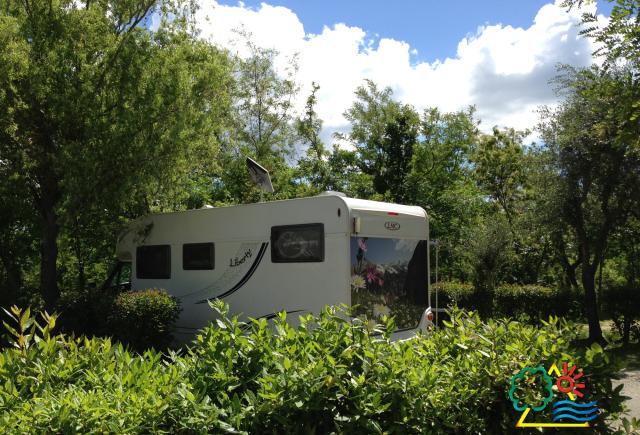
(389, 277)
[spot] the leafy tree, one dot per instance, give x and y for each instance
(262, 127)
(619, 39)
(499, 167)
(384, 134)
(17, 227)
(399, 141)
(346, 175)
(629, 240)
(618, 42)
(541, 239)
(101, 116)
(593, 138)
(489, 252)
(441, 181)
(264, 103)
(512, 176)
(314, 167)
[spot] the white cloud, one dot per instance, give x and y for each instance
(502, 70)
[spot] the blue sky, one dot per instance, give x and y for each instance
(498, 55)
(433, 28)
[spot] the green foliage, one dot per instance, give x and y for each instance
(69, 385)
(25, 330)
(264, 101)
(532, 301)
(314, 167)
(490, 252)
(327, 375)
(384, 134)
(87, 311)
(622, 303)
(441, 182)
(499, 167)
(525, 302)
(101, 120)
(592, 139)
(142, 318)
(261, 127)
(460, 294)
(619, 39)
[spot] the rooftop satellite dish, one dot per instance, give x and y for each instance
(260, 176)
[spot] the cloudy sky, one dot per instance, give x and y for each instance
(498, 55)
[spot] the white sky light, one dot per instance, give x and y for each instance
(503, 71)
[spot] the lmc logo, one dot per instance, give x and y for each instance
(392, 226)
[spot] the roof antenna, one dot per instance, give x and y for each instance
(260, 176)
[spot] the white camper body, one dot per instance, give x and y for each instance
(296, 255)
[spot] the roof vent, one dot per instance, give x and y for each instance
(332, 193)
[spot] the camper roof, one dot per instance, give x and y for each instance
(366, 205)
(352, 203)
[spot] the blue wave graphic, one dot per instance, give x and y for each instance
(574, 404)
(575, 411)
(573, 418)
(578, 411)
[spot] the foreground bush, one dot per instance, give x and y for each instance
(327, 375)
(142, 319)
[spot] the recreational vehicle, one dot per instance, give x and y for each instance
(296, 255)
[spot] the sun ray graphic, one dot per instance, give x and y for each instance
(567, 383)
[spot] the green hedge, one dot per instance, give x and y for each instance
(622, 303)
(461, 294)
(142, 319)
(327, 375)
(535, 301)
(525, 302)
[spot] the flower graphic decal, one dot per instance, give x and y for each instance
(357, 283)
(383, 279)
(380, 310)
(374, 275)
(362, 244)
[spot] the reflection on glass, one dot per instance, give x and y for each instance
(389, 277)
(297, 243)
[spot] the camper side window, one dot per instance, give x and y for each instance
(297, 243)
(197, 256)
(153, 262)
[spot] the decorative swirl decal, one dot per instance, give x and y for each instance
(244, 279)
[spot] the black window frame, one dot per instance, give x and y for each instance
(212, 250)
(279, 228)
(167, 271)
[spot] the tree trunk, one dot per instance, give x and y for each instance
(590, 303)
(626, 329)
(569, 269)
(48, 259)
(79, 257)
(47, 195)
